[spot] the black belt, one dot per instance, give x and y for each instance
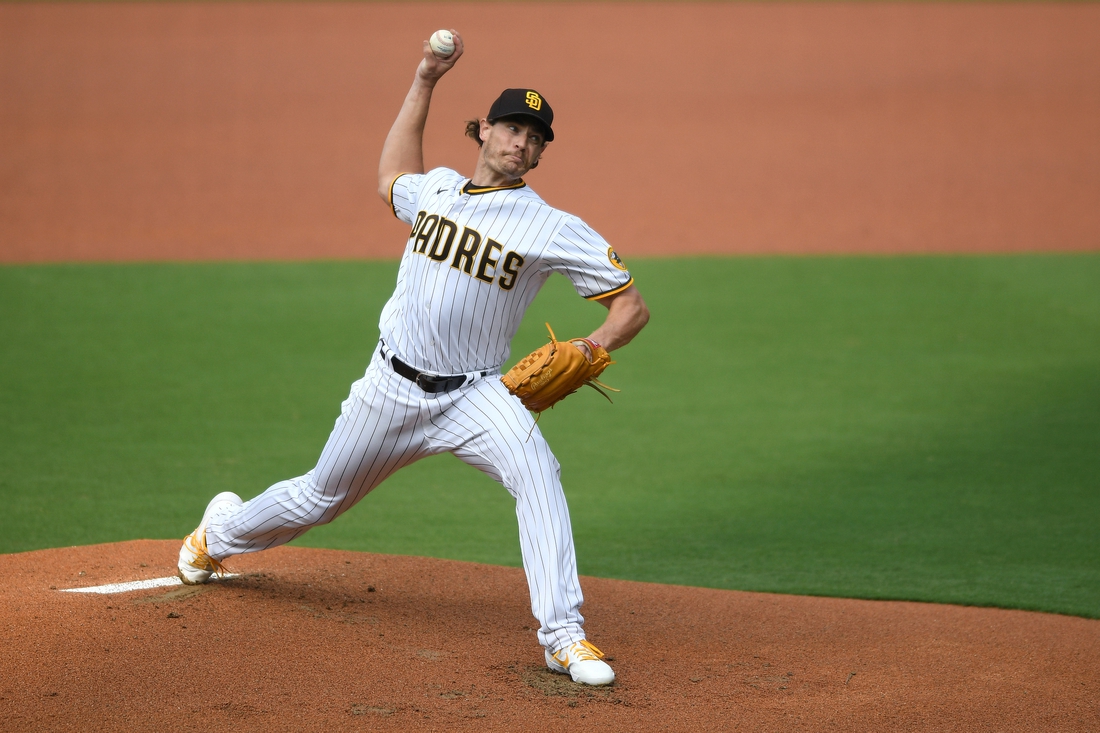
(431, 383)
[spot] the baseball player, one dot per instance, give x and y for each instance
(478, 251)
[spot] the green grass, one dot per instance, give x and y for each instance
(917, 427)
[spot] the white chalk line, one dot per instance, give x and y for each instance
(133, 585)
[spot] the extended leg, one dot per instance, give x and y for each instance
(376, 434)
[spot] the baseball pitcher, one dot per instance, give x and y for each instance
(478, 251)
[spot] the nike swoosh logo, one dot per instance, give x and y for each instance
(440, 191)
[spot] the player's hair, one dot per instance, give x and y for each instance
(473, 131)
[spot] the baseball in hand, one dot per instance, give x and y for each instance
(442, 43)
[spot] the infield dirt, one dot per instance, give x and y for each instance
(236, 130)
(320, 640)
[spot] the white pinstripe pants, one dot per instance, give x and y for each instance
(387, 422)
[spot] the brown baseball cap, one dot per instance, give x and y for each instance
(523, 103)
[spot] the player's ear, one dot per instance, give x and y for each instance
(483, 131)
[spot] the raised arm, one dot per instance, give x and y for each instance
(403, 151)
(627, 314)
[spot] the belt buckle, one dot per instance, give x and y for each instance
(424, 385)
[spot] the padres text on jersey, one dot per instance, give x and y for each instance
(474, 260)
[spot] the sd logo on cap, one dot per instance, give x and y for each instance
(523, 103)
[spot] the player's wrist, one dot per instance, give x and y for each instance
(426, 78)
(587, 347)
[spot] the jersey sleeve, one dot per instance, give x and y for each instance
(404, 192)
(591, 264)
(411, 192)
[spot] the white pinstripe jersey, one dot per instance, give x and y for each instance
(474, 261)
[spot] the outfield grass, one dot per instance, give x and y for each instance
(914, 427)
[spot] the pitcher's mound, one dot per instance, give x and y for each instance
(320, 640)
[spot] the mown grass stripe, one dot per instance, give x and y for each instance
(896, 427)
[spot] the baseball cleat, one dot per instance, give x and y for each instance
(581, 661)
(195, 565)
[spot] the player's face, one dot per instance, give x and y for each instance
(511, 147)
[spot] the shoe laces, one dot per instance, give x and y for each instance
(202, 560)
(582, 651)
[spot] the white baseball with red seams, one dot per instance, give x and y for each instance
(442, 43)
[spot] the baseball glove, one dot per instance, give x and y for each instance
(550, 374)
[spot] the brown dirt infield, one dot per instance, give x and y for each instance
(300, 641)
(235, 130)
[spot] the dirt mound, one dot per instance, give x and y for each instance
(313, 640)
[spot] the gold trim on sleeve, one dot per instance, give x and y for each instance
(619, 289)
(392, 183)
